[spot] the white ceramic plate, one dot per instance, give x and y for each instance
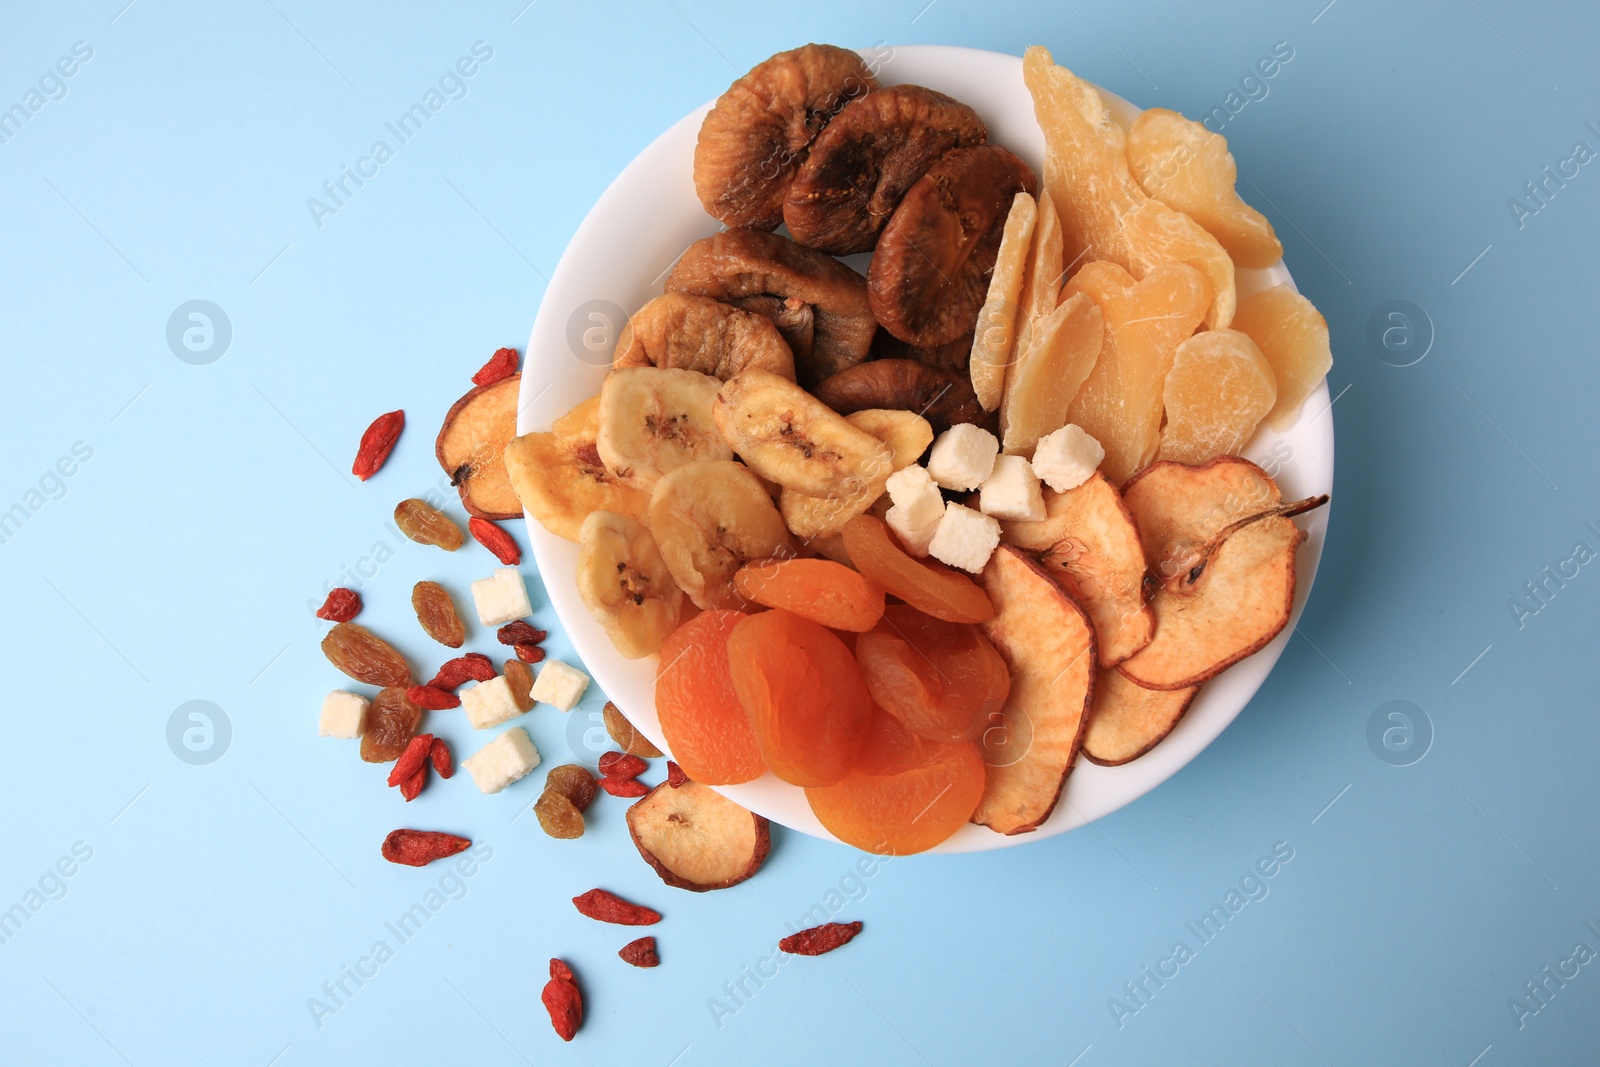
(617, 261)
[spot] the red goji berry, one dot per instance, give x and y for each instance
(519, 633)
(413, 785)
(342, 605)
(503, 364)
(495, 540)
(414, 756)
(453, 673)
(622, 765)
(609, 908)
(418, 848)
(675, 775)
(641, 953)
(623, 787)
(562, 1000)
(820, 939)
(427, 696)
(377, 443)
(528, 653)
(439, 756)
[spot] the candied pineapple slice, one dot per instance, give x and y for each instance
(1293, 335)
(1189, 168)
(1104, 213)
(1119, 404)
(994, 340)
(1041, 284)
(1049, 371)
(1218, 390)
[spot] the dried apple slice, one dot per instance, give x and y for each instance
(471, 448)
(1293, 335)
(696, 838)
(1129, 720)
(1089, 544)
(1048, 643)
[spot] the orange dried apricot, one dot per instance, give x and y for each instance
(704, 723)
(803, 694)
(927, 585)
(817, 589)
(903, 793)
(942, 680)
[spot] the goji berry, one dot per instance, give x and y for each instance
(820, 939)
(414, 756)
(609, 908)
(439, 756)
(342, 605)
(519, 633)
(641, 953)
(562, 1000)
(495, 540)
(623, 787)
(453, 673)
(675, 775)
(418, 848)
(621, 765)
(413, 785)
(503, 364)
(377, 442)
(427, 696)
(528, 653)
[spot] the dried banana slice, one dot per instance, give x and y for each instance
(709, 519)
(653, 419)
(790, 437)
(626, 584)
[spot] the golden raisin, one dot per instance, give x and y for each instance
(391, 723)
(627, 736)
(573, 782)
(364, 656)
(437, 614)
(427, 525)
(559, 817)
(520, 679)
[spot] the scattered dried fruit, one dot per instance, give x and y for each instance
(503, 364)
(696, 838)
(437, 614)
(427, 525)
(418, 848)
(391, 721)
(607, 907)
(520, 680)
(342, 605)
(376, 444)
(412, 786)
(641, 952)
(573, 782)
(529, 653)
(621, 765)
(623, 787)
(558, 816)
(412, 759)
(495, 539)
(471, 447)
(439, 757)
(820, 939)
(562, 1000)
(519, 633)
(474, 667)
(626, 735)
(432, 698)
(364, 656)
(675, 775)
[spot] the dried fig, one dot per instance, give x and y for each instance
(758, 133)
(931, 270)
(943, 397)
(686, 332)
(818, 304)
(953, 356)
(861, 165)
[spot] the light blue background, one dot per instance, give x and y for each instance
(179, 561)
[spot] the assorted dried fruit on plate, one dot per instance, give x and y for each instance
(941, 519)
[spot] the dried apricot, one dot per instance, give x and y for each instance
(816, 589)
(427, 525)
(520, 679)
(365, 656)
(704, 723)
(803, 693)
(392, 721)
(943, 680)
(927, 585)
(437, 614)
(903, 793)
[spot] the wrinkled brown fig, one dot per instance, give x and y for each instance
(942, 397)
(758, 133)
(930, 273)
(863, 163)
(681, 331)
(818, 304)
(953, 356)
